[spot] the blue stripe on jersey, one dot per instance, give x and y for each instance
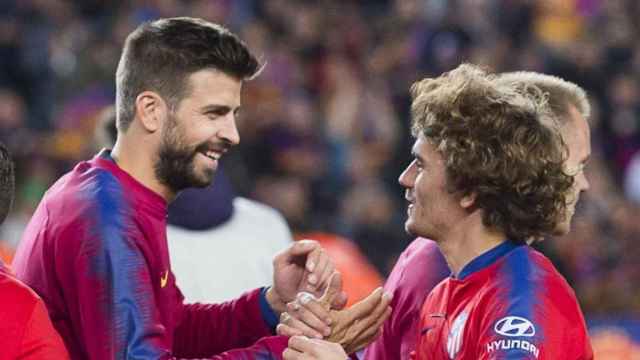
(119, 264)
(522, 280)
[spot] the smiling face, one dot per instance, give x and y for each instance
(577, 137)
(432, 209)
(199, 131)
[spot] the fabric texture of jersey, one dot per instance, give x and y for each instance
(96, 252)
(418, 270)
(26, 332)
(508, 303)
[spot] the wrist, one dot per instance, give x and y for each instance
(275, 301)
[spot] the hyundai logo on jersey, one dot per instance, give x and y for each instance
(514, 326)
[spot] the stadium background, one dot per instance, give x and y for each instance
(325, 127)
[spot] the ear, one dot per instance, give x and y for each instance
(468, 201)
(151, 110)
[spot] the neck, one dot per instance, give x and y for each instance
(468, 240)
(138, 163)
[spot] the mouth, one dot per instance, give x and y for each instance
(409, 205)
(212, 154)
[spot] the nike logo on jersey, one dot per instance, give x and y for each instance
(425, 330)
(164, 279)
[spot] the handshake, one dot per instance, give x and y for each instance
(322, 329)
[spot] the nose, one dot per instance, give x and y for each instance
(406, 179)
(229, 131)
(585, 185)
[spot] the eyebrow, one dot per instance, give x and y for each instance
(217, 108)
(417, 156)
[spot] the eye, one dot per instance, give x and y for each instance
(216, 112)
(419, 165)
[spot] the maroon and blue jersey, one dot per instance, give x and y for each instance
(508, 303)
(418, 270)
(96, 252)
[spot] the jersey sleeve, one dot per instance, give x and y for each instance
(117, 314)
(547, 327)
(199, 333)
(41, 341)
(120, 317)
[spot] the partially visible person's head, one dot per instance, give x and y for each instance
(7, 182)
(181, 78)
(488, 147)
(106, 132)
(569, 106)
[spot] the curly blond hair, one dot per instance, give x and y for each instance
(501, 144)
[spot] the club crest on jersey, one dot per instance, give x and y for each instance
(454, 340)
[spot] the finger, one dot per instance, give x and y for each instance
(325, 276)
(290, 354)
(303, 247)
(320, 260)
(302, 344)
(286, 330)
(369, 334)
(308, 315)
(333, 290)
(307, 305)
(311, 264)
(367, 305)
(371, 318)
(377, 323)
(292, 322)
(340, 301)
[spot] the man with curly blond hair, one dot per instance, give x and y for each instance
(491, 173)
(489, 176)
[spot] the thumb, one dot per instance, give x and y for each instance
(303, 247)
(334, 289)
(368, 304)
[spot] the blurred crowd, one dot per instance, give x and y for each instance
(325, 127)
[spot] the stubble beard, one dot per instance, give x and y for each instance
(175, 166)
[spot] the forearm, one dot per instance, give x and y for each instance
(207, 329)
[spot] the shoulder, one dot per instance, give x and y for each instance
(524, 279)
(529, 309)
(419, 268)
(84, 188)
(17, 301)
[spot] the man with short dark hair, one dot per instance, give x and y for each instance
(25, 329)
(96, 248)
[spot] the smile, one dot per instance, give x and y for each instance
(212, 155)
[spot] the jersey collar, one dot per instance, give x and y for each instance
(487, 258)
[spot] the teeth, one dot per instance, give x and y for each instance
(213, 155)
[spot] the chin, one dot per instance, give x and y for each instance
(562, 229)
(204, 178)
(409, 228)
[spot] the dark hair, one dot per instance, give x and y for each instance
(500, 143)
(7, 182)
(160, 55)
